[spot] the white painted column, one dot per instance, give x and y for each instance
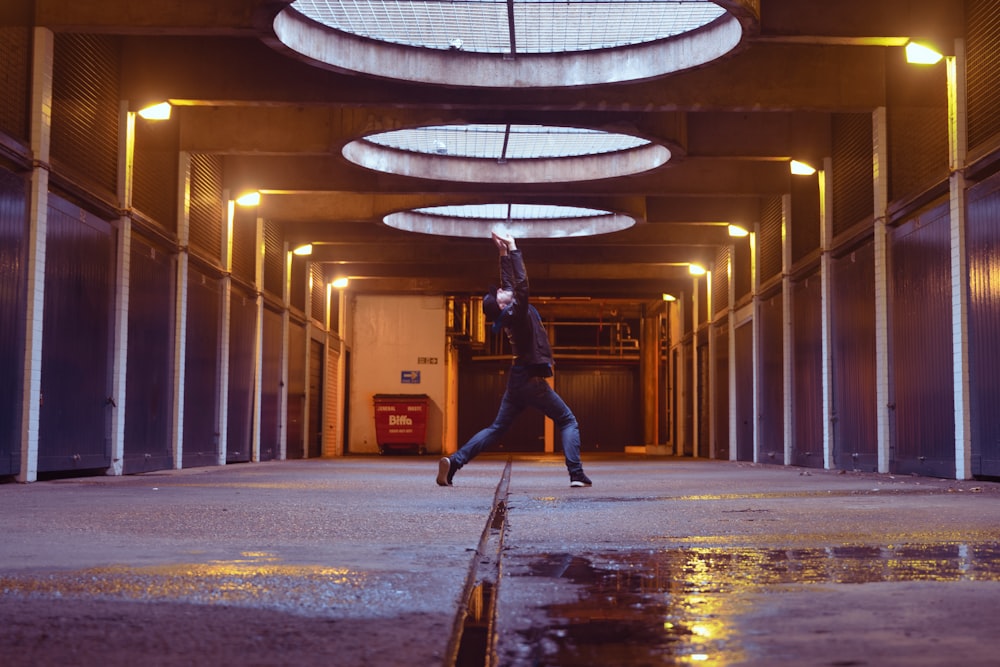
(286, 325)
(731, 338)
(755, 345)
(957, 147)
(180, 303)
(826, 307)
(695, 413)
(258, 337)
(119, 361)
(710, 374)
(787, 333)
(43, 55)
(224, 330)
(880, 162)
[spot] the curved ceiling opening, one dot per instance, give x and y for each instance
(518, 220)
(511, 43)
(506, 153)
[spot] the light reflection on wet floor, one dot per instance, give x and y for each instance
(675, 606)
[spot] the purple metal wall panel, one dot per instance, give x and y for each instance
(295, 434)
(75, 417)
(984, 325)
(771, 448)
(242, 363)
(13, 269)
(270, 392)
(855, 435)
(720, 389)
(316, 398)
(605, 400)
(201, 371)
(149, 374)
(807, 374)
(922, 393)
(744, 392)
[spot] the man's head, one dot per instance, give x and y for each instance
(495, 302)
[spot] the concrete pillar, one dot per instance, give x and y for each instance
(180, 303)
(42, 55)
(119, 361)
(958, 144)
(258, 337)
(787, 333)
(649, 365)
(225, 326)
(880, 161)
(826, 306)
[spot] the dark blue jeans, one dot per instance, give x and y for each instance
(526, 390)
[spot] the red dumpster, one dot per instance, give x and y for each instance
(401, 422)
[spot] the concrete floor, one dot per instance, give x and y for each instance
(365, 560)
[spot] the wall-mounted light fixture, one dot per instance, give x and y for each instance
(696, 270)
(737, 231)
(921, 54)
(340, 283)
(249, 199)
(159, 111)
(669, 297)
(303, 250)
(801, 168)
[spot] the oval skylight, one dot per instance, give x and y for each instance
(511, 43)
(519, 220)
(506, 153)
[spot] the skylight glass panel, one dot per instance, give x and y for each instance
(539, 26)
(506, 142)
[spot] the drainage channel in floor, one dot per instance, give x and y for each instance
(472, 642)
(673, 607)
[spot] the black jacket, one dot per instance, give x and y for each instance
(525, 331)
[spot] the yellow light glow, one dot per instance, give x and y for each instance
(801, 168)
(920, 54)
(736, 230)
(249, 199)
(159, 111)
(306, 249)
(669, 297)
(340, 283)
(696, 270)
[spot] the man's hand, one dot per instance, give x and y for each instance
(503, 243)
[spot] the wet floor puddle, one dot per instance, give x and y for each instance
(675, 606)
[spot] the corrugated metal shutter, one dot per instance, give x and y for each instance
(807, 388)
(742, 278)
(74, 426)
(720, 389)
(207, 211)
(744, 392)
(805, 216)
(154, 188)
(923, 395)
(331, 398)
(244, 244)
(918, 128)
(270, 391)
(855, 444)
(242, 364)
(295, 431)
(983, 71)
(201, 370)
(150, 368)
(85, 103)
(984, 325)
(720, 281)
(298, 284)
(13, 279)
(770, 348)
(853, 180)
(605, 400)
(770, 238)
(318, 292)
(274, 260)
(15, 72)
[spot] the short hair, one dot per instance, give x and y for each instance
(490, 306)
